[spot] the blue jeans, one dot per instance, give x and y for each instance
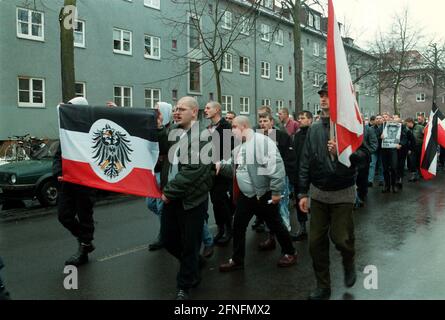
(154, 204)
(376, 163)
(284, 203)
(207, 237)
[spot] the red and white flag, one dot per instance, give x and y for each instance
(434, 136)
(344, 110)
(113, 149)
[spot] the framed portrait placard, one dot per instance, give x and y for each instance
(391, 135)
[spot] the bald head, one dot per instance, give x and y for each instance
(242, 121)
(189, 102)
(186, 112)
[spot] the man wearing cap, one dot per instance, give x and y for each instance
(331, 187)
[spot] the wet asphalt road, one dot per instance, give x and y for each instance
(400, 234)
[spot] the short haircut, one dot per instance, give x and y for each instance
(265, 115)
(372, 118)
(285, 110)
(263, 109)
(243, 121)
(409, 120)
(214, 105)
(189, 101)
(306, 113)
(231, 112)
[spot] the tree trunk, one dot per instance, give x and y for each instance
(396, 91)
(435, 74)
(218, 81)
(67, 55)
(298, 61)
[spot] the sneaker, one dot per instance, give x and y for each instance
(287, 260)
(230, 266)
(320, 294)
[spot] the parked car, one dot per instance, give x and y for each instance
(30, 179)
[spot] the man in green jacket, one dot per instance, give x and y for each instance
(185, 195)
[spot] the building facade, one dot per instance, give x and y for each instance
(139, 52)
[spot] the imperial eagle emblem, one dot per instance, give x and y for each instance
(111, 151)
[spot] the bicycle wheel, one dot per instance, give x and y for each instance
(10, 153)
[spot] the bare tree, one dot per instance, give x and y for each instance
(397, 54)
(214, 28)
(67, 51)
(435, 66)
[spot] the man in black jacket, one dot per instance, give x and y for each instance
(75, 207)
(331, 186)
(305, 118)
(221, 132)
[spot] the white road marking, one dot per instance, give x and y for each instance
(123, 253)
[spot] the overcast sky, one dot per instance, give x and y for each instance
(366, 16)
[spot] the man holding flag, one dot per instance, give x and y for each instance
(328, 168)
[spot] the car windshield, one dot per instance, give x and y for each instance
(48, 151)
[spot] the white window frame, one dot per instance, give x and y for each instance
(265, 70)
(227, 20)
(316, 50)
(279, 105)
(279, 70)
(122, 96)
(84, 89)
(82, 44)
(279, 38)
(31, 102)
(244, 103)
(245, 26)
(188, 77)
(227, 62)
(420, 97)
(121, 50)
(317, 79)
(265, 102)
(152, 101)
(189, 25)
(268, 4)
(155, 4)
(226, 102)
(244, 63)
(310, 20)
(317, 22)
(29, 35)
(265, 32)
(152, 47)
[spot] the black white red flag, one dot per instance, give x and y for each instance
(434, 136)
(113, 149)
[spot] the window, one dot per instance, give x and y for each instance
(420, 97)
(244, 65)
(310, 20)
(156, 4)
(152, 47)
(420, 79)
(174, 44)
(279, 105)
(317, 22)
(30, 24)
(227, 20)
(194, 38)
(244, 103)
(152, 96)
(443, 99)
(245, 26)
(122, 41)
(194, 77)
(420, 114)
(123, 96)
(79, 34)
(279, 37)
(268, 3)
(279, 72)
(265, 70)
(227, 62)
(290, 69)
(316, 108)
(316, 49)
(325, 52)
(265, 102)
(31, 92)
(211, 96)
(265, 32)
(80, 90)
(175, 95)
(227, 104)
(318, 78)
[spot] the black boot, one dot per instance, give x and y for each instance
(81, 256)
(219, 235)
(224, 240)
(156, 245)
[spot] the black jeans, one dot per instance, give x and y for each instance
(246, 208)
(182, 236)
(402, 155)
(390, 161)
(362, 182)
(75, 210)
(221, 202)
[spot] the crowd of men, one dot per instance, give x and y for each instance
(272, 169)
